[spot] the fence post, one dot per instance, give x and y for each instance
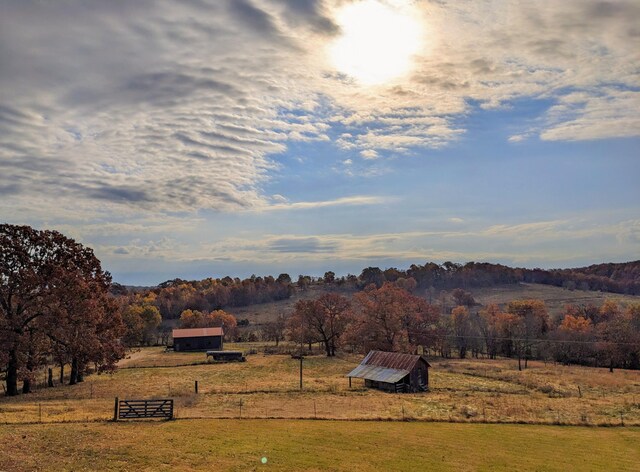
(241, 408)
(115, 410)
(196, 386)
(39, 412)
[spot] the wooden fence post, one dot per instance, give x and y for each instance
(196, 386)
(115, 410)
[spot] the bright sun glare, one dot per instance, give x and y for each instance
(378, 40)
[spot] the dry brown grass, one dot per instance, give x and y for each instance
(267, 387)
(555, 298)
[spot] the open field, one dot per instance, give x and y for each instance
(556, 298)
(290, 445)
(266, 386)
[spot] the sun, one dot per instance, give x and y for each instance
(378, 40)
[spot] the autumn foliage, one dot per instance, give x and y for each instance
(213, 319)
(54, 307)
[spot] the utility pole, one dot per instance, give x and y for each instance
(301, 346)
(301, 357)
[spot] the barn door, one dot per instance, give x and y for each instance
(422, 378)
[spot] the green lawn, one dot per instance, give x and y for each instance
(296, 445)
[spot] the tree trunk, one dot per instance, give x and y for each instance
(12, 374)
(26, 385)
(73, 378)
(327, 348)
(61, 373)
(519, 362)
(50, 378)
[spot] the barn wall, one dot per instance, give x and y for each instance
(414, 375)
(200, 343)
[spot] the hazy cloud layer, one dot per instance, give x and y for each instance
(547, 243)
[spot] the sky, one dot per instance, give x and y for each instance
(206, 138)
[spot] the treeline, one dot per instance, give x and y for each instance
(615, 278)
(390, 318)
(173, 297)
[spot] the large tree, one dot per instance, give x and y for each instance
(533, 323)
(325, 318)
(53, 301)
(391, 319)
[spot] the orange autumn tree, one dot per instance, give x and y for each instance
(488, 321)
(213, 319)
(391, 319)
(533, 323)
(573, 338)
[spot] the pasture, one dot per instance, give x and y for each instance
(267, 386)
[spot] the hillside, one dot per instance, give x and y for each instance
(555, 298)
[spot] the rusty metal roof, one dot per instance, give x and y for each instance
(379, 374)
(383, 366)
(393, 360)
(197, 332)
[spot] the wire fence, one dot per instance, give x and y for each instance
(357, 406)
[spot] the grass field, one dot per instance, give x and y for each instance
(555, 298)
(294, 445)
(267, 386)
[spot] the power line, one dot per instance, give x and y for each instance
(529, 340)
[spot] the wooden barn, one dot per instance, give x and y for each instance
(197, 339)
(393, 372)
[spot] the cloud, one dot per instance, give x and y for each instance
(369, 154)
(343, 201)
(301, 245)
(611, 112)
(121, 112)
